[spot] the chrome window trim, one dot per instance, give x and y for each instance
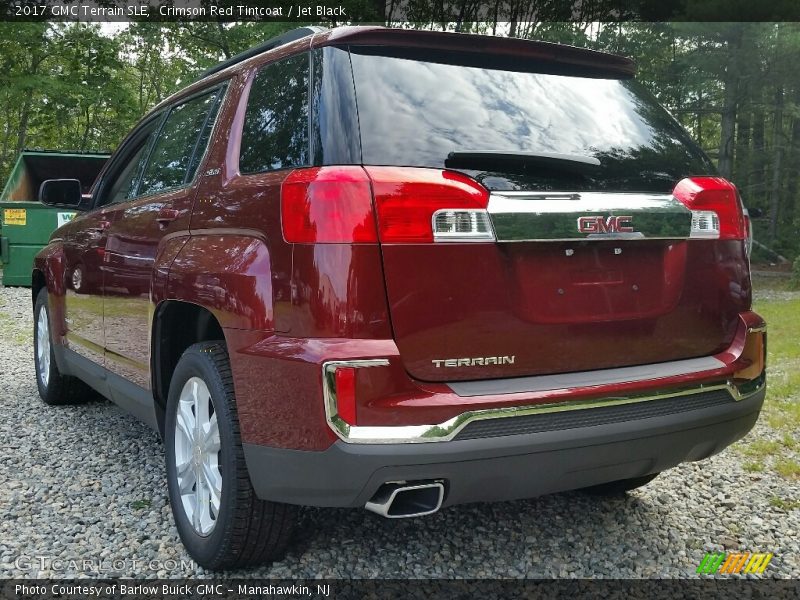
(446, 431)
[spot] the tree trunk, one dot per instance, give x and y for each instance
(24, 117)
(793, 184)
(700, 119)
(775, 190)
(742, 166)
(757, 168)
(379, 6)
(730, 100)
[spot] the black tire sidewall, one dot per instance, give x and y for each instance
(205, 549)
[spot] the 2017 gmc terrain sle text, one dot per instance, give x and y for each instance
(401, 270)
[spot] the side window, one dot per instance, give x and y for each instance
(125, 173)
(171, 162)
(124, 186)
(275, 133)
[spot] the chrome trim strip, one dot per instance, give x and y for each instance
(337, 424)
(541, 383)
(446, 431)
(552, 216)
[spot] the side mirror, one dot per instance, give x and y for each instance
(61, 192)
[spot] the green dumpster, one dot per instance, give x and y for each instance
(25, 224)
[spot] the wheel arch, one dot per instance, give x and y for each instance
(177, 325)
(219, 279)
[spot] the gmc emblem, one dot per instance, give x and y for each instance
(600, 224)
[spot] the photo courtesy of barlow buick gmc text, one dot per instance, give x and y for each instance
(295, 301)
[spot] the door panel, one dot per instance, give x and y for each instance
(135, 238)
(160, 208)
(84, 249)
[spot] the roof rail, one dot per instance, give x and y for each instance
(284, 38)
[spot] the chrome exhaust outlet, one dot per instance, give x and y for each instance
(401, 499)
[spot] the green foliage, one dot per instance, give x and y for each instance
(79, 87)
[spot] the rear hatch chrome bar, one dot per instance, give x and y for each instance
(573, 216)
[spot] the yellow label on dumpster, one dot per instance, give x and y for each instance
(15, 216)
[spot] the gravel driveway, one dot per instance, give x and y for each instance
(87, 483)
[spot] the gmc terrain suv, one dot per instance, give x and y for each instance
(401, 270)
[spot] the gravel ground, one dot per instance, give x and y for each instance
(87, 483)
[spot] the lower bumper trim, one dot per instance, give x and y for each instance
(506, 467)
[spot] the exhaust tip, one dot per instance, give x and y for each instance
(401, 500)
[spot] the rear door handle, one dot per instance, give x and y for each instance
(166, 216)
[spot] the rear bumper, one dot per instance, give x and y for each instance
(506, 467)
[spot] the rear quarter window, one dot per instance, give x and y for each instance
(275, 131)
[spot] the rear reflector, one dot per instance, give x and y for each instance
(716, 209)
(346, 394)
(417, 205)
(327, 205)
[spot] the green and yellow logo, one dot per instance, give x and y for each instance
(734, 562)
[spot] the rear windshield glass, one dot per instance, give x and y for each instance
(415, 113)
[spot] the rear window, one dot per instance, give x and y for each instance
(415, 113)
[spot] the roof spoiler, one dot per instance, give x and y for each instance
(514, 54)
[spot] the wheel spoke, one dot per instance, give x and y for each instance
(186, 477)
(211, 442)
(185, 422)
(198, 503)
(202, 405)
(204, 508)
(213, 480)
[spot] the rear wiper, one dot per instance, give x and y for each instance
(486, 160)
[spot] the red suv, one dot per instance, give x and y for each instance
(402, 270)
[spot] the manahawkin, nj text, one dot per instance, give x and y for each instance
(102, 590)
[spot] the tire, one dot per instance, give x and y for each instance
(618, 488)
(239, 530)
(54, 388)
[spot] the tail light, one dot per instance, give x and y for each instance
(413, 205)
(327, 205)
(716, 209)
(417, 205)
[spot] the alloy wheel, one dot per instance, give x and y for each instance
(197, 447)
(43, 346)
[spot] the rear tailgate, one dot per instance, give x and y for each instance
(589, 268)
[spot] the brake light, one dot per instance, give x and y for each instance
(417, 205)
(716, 210)
(327, 205)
